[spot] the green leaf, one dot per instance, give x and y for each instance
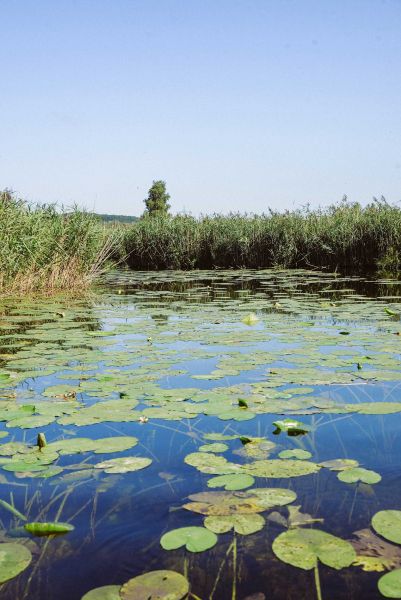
(281, 468)
(390, 584)
(236, 503)
(231, 482)
(106, 592)
(195, 539)
(242, 524)
(339, 464)
(359, 474)
(303, 548)
(250, 319)
(296, 453)
(14, 558)
(157, 585)
(216, 447)
(40, 529)
(124, 464)
(387, 523)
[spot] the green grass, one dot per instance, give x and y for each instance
(42, 249)
(346, 237)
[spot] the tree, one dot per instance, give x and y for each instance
(157, 200)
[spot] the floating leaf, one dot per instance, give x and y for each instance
(195, 539)
(106, 592)
(358, 474)
(390, 584)
(388, 524)
(281, 468)
(14, 558)
(217, 447)
(303, 548)
(155, 585)
(236, 503)
(124, 464)
(339, 464)
(242, 524)
(231, 482)
(296, 453)
(368, 544)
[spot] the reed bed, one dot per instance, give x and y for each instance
(346, 236)
(42, 249)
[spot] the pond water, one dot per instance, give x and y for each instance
(264, 401)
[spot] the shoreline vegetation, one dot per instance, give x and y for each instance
(45, 250)
(343, 237)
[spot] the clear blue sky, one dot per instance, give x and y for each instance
(238, 104)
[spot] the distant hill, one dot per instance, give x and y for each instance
(117, 218)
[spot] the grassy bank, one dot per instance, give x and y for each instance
(346, 236)
(42, 249)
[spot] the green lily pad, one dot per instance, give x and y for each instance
(14, 558)
(296, 453)
(155, 585)
(242, 524)
(359, 474)
(303, 548)
(195, 539)
(236, 503)
(231, 482)
(387, 523)
(106, 592)
(124, 464)
(339, 464)
(280, 467)
(216, 447)
(390, 584)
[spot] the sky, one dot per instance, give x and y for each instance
(239, 105)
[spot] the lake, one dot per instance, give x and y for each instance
(239, 431)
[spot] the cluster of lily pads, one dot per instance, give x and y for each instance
(231, 346)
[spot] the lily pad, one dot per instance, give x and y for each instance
(231, 482)
(303, 548)
(296, 453)
(242, 524)
(281, 468)
(14, 558)
(195, 539)
(216, 447)
(359, 474)
(387, 523)
(155, 585)
(390, 584)
(124, 464)
(106, 592)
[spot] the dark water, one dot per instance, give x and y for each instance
(120, 518)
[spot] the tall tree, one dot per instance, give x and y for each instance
(157, 200)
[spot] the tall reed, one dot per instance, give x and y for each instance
(42, 249)
(345, 236)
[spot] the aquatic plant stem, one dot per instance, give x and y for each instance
(234, 592)
(317, 582)
(229, 549)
